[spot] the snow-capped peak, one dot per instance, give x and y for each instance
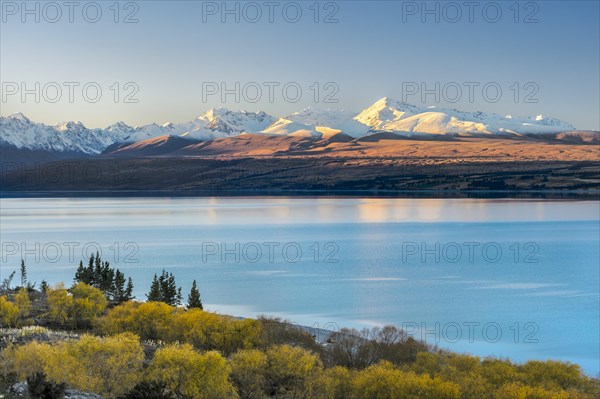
(384, 111)
(19, 116)
(69, 125)
(213, 113)
(390, 115)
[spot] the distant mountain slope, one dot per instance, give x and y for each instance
(19, 134)
(319, 123)
(381, 145)
(155, 146)
(215, 123)
(390, 115)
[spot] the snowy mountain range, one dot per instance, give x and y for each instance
(385, 115)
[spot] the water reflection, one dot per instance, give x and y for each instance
(102, 213)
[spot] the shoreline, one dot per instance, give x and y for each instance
(584, 195)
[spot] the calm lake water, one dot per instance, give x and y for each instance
(510, 278)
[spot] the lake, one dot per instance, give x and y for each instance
(505, 277)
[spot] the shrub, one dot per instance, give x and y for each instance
(79, 308)
(60, 304)
(9, 313)
(248, 373)
(384, 381)
(88, 303)
(191, 374)
(149, 320)
(290, 371)
(210, 331)
(22, 302)
(107, 366)
(203, 330)
(31, 358)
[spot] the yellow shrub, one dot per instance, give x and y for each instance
(192, 374)
(9, 313)
(60, 304)
(203, 330)
(149, 320)
(518, 391)
(206, 330)
(384, 381)
(23, 303)
(332, 383)
(551, 374)
(79, 308)
(108, 366)
(291, 370)
(248, 369)
(28, 359)
(88, 303)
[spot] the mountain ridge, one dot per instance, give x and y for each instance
(385, 115)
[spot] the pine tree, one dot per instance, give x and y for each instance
(80, 274)
(155, 294)
(23, 274)
(106, 281)
(164, 289)
(129, 290)
(194, 297)
(171, 295)
(97, 270)
(90, 271)
(110, 281)
(118, 291)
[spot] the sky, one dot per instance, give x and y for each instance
(169, 61)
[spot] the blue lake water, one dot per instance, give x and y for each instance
(510, 278)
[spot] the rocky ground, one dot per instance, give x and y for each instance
(19, 391)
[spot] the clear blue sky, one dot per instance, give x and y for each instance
(373, 48)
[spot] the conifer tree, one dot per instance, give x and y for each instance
(119, 290)
(90, 271)
(97, 269)
(154, 295)
(194, 297)
(80, 274)
(129, 290)
(164, 289)
(171, 295)
(110, 281)
(23, 274)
